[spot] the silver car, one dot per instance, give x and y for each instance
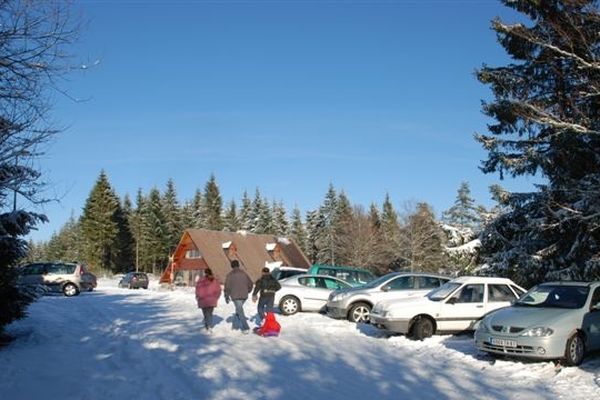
(65, 277)
(555, 320)
(356, 303)
(306, 292)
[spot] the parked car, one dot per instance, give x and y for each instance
(556, 320)
(351, 275)
(306, 292)
(356, 303)
(65, 277)
(134, 280)
(281, 273)
(453, 307)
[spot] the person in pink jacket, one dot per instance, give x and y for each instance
(208, 291)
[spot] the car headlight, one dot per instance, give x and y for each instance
(538, 331)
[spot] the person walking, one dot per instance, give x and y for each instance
(237, 287)
(265, 287)
(208, 291)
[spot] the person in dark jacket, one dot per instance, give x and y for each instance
(237, 287)
(266, 286)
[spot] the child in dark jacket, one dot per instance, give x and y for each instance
(266, 286)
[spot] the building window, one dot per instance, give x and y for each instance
(193, 254)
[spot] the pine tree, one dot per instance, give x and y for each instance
(426, 238)
(187, 215)
(246, 213)
(198, 217)
(312, 235)
(173, 218)
(344, 236)
(394, 246)
(280, 225)
(546, 112)
(140, 231)
(123, 254)
(231, 221)
(213, 205)
(463, 213)
(324, 239)
(99, 227)
(298, 231)
(156, 253)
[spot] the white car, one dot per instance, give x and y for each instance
(306, 292)
(453, 307)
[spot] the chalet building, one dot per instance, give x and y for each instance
(199, 249)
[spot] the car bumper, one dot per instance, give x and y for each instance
(336, 312)
(390, 324)
(551, 347)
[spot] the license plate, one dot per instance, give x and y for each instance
(503, 342)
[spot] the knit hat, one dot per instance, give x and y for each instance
(235, 264)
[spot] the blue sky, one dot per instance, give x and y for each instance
(290, 96)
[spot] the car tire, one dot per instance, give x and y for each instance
(423, 328)
(289, 305)
(359, 312)
(574, 350)
(70, 290)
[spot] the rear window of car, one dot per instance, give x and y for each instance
(402, 283)
(61, 269)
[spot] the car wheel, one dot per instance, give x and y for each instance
(70, 290)
(359, 312)
(423, 328)
(289, 305)
(574, 350)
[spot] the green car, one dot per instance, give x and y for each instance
(555, 320)
(354, 276)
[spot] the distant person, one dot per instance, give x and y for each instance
(237, 287)
(265, 286)
(208, 291)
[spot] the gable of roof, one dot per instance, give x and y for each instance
(250, 250)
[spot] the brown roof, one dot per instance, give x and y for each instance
(251, 251)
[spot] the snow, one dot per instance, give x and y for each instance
(270, 246)
(120, 343)
(226, 245)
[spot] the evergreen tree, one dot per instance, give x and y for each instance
(213, 205)
(325, 233)
(99, 227)
(312, 235)
(426, 238)
(246, 213)
(546, 112)
(463, 213)
(172, 217)
(123, 254)
(280, 221)
(140, 231)
(298, 231)
(187, 215)
(156, 253)
(394, 246)
(198, 215)
(231, 221)
(344, 235)
(66, 245)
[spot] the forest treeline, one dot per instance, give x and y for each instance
(116, 234)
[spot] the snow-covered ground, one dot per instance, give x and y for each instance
(148, 344)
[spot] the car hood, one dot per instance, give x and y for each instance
(528, 316)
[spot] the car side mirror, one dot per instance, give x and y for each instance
(451, 300)
(385, 288)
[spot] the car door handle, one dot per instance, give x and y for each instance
(479, 306)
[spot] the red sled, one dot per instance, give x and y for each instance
(270, 327)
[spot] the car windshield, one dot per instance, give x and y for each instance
(555, 296)
(443, 291)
